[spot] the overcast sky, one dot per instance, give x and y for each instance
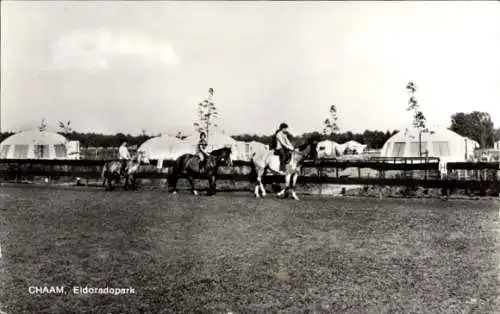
(126, 66)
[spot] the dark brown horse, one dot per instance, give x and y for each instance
(187, 166)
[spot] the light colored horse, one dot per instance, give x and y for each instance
(261, 161)
(111, 171)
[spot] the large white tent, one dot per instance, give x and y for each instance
(216, 140)
(219, 139)
(35, 144)
(165, 147)
(440, 142)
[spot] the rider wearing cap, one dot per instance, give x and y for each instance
(124, 156)
(283, 145)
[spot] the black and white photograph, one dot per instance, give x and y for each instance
(236, 157)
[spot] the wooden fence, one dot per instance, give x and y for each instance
(313, 172)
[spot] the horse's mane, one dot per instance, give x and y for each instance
(218, 152)
(311, 143)
(303, 146)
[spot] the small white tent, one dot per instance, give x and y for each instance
(329, 148)
(165, 148)
(34, 144)
(255, 146)
(353, 146)
(246, 149)
(472, 144)
(497, 145)
(440, 142)
(238, 151)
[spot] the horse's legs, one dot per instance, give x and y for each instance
(132, 182)
(294, 181)
(256, 189)
(109, 181)
(126, 184)
(259, 185)
(191, 182)
(287, 184)
(174, 177)
(262, 188)
(211, 186)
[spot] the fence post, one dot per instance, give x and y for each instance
(18, 174)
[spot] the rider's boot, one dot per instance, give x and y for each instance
(282, 166)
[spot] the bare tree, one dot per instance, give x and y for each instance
(207, 113)
(180, 135)
(419, 120)
(65, 127)
(330, 123)
(43, 125)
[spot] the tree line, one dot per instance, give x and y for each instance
(476, 125)
(374, 139)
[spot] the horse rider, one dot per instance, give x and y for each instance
(202, 149)
(283, 146)
(124, 157)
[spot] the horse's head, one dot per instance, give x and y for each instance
(309, 150)
(144, 158)
(223, 156)
(141, 158)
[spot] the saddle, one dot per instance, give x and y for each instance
(197, 160)
(285, 157)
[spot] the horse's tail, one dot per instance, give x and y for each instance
(174, 172)
(103, 174)
(253, 171)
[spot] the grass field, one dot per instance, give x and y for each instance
(231, 252)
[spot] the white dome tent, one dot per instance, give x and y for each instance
(34, 144)
(439, 142)
(165, 147)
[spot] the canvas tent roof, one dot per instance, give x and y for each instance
(358, 147)
(215, 139)
(34, 144)
(165, 147)
(352, 143)
(327, 148)
(35, 136)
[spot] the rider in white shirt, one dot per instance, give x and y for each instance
(283, 145)
(124, 156)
